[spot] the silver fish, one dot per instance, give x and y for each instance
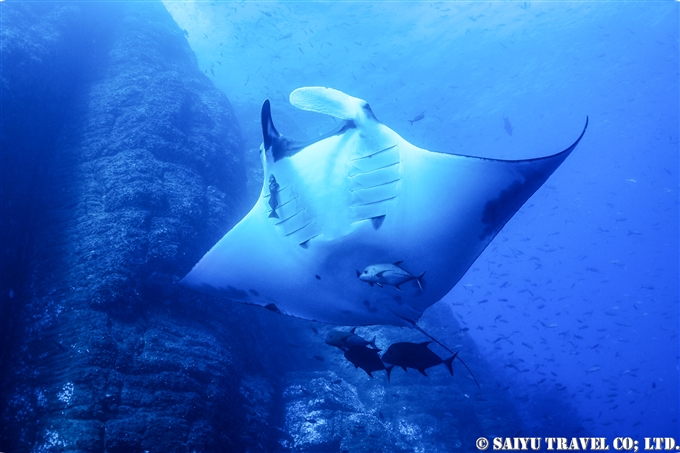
(389, 274)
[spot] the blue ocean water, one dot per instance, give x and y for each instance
(577, 297)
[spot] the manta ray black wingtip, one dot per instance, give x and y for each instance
(269, 133)
(583, 132)
(571, 148)
(585, 126)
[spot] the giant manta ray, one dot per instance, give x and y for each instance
(361, 227)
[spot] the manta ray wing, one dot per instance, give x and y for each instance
(360, 196)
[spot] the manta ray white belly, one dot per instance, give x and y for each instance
(363, 196)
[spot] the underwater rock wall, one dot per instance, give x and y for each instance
(116, 149)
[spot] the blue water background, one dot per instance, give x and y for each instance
(578, 295)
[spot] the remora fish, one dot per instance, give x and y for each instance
(388, 274)
(415, 355)
(347, 339)
(367, 359)
(273, 196)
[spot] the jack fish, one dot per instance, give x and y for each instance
(415, 355)
(388, 274)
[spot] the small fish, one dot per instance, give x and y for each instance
(507, 125)
(388, 274)
(273, 196)
(415, 355)
(347, 339)
(367, 359)
(417, 118)
(319, 358)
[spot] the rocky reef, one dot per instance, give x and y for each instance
(121, 166)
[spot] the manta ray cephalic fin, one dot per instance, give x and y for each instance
(331, 102)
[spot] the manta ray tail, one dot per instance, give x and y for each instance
(273, 215)
(469, 371)
(455, 354)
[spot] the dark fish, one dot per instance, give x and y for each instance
(507, 125)
(415, 355)
(347, 339)
(367, 359)
(273, 196)
(417, 118)
(319, 358)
